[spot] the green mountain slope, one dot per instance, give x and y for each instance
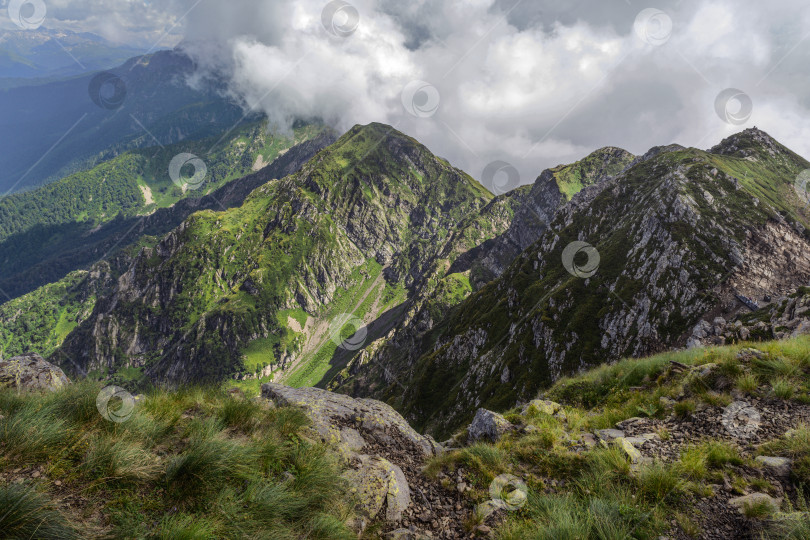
(45, 223)
(36, 321)
(375, 205)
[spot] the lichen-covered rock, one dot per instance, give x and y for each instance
(31, 372)
(629, 450)
(779, 465)
(379, 483)
(545, 406)
(488, 425)
(608, 435)
(367, 433)
(405, 534)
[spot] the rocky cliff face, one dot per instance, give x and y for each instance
(476, 254)
(666, 242)
(538, 206)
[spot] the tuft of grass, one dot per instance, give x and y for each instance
(693, 463)
(684, 408)
(121, 460)
(206, 464)
(33, 433)
(748, 383)
(658, 483)
(184, 526)
(782, 388)
(241, 414)
(757, 510)
(194, 463)
(720, 454)
(26, 513)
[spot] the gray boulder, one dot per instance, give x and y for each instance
(371, 421)
(31, 372)
(488, 425)
(369, 435)
(779, 465)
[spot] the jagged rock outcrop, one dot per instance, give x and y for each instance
(784, 317)
(31, 372)
(538, 206)
(479, 250)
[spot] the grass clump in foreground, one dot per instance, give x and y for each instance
(196, 463)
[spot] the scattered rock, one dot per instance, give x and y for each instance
(488, 425)
(328, 411)
(545, 406)
(755, 498)
(486, 509)
(608, 435)
(779, 465)
(405, 534)
(627, 447)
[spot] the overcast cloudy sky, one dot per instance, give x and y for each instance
(533, 83)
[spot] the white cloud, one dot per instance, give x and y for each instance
(532, 83)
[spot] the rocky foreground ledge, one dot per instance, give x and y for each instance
(385, 456)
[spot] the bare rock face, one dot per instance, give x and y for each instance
(31, 372)
(367, 433)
